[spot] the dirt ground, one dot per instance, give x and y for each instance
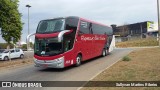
(15, 63)
(143, 66)
(138, 43)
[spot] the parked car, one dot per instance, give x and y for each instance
(2, 50)
(12, 53)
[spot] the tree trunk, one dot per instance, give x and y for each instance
(8, 47)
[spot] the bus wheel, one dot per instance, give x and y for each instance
(104, 53)
(78, 60)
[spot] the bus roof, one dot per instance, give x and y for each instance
(87, 20)
(94, 22)
(80, 19)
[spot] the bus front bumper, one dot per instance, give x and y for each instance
(56, 63)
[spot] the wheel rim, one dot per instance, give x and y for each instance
(78, 60)
(104, 53)
(21, 56)
(5, 58)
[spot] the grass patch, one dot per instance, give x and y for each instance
(138, 43)
(126, 58)
(143, 66)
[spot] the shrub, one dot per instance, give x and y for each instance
(126, 58)
(4, 45)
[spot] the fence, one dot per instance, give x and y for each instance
(131, 38)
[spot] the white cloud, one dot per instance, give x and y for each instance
(103, 11)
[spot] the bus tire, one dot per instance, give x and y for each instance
(104, 53)
(78, 60)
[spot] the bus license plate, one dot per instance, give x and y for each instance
(45, 65)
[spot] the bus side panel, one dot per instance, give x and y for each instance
(83, 46)
(98, 45)
(84, 40)
(101, 44)
(70, 58)
(91, 45)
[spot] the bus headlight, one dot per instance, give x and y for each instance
(60, 59)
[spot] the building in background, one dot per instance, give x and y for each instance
(141, 29)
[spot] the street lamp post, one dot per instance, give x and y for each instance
(28, 44)
(158, 20)
(0, 31)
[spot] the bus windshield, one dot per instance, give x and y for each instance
(48, 47)
(49, 26)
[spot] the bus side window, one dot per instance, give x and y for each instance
(90, 28)
(71, 24)
(84, 28)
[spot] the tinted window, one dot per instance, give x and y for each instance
(84, 27)
(99, 29)
(12, 51)
(68, 39)
(47, 46)
(71, 23)
(6, 51)
(17, 50)
(49, 26)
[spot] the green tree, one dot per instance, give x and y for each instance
(31, 45)
(10, 21)
(3, 45)
(24, 46)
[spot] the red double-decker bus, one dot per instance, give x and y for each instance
(62, 42)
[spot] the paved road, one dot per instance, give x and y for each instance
(82, 73)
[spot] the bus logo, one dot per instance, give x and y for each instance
(6, 84)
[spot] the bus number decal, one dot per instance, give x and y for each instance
(68, 61)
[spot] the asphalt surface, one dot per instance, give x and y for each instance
(85, 72)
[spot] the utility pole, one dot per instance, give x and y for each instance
(28, 44)
(141, 30)
(0, 31)
(158, 20)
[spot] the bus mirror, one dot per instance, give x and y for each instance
(60, 35)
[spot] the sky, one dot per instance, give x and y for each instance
(107, 12)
